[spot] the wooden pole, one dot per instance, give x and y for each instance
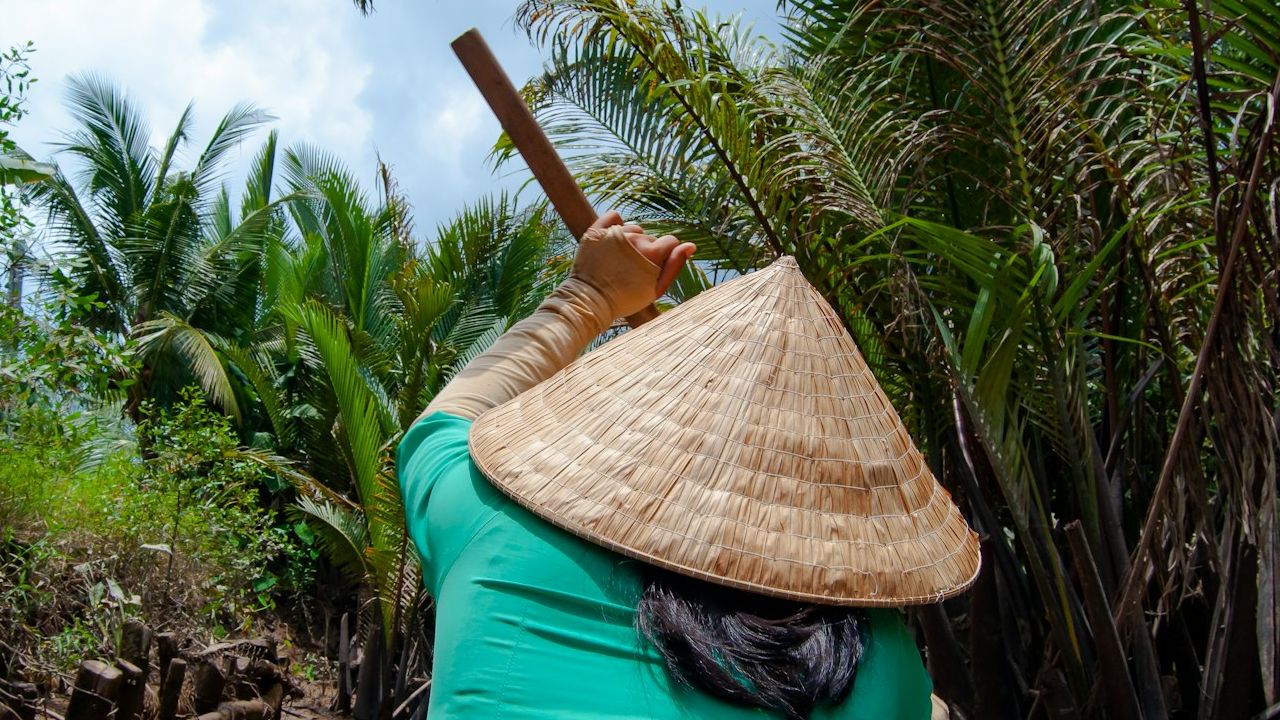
(166, 651)
(538, 152)
(135, 645)
(171, 691)
(133, 686)
(95, 691)
(344, 664)
(206, 685)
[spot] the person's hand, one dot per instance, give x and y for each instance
(629, 268)
(666, 252)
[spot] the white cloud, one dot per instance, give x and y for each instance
(456, 123)
(289, 57)
(335, 79)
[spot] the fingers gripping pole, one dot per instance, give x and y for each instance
(538, 152)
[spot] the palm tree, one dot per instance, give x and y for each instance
(357, 329)
(174, 265)
(1033, 238)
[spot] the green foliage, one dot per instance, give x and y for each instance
(316, 328)
(15, 167)
(15, 75)
(172, 264)
(182, 535)
(364, 329)
(199, 504)
(52, 357)
(1039, 218)
(1028, 214)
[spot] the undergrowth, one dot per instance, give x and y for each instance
(167, 522)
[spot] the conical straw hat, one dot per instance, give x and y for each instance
(740, 439)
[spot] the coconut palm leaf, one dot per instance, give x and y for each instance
(101, 271)
(703, 71)
(342, 531)
(257, 192)
(181, 134)
(198, 352)
(232, 129)
(118, 166)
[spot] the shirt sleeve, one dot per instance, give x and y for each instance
(433, 449)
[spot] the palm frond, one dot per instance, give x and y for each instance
(198, 352)
(95, 263)
(233, 128)
(119, 168)
(257, 192)
(256, 364)
(180, 135)
(342, 532)
(358, 405)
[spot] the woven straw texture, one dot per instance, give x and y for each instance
(741, 439)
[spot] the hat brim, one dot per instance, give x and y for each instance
(739, 439)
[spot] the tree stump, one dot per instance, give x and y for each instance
(275, 698)
(133, 687)
(135, 645)
(166, 651)
(206, 684)
(245, 710)
(343, 703)
(171, 690)
(18, 700)
(95, 691)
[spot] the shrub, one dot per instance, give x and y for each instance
(175, 527)
(201, 513)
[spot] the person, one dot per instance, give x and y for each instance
(540, 616)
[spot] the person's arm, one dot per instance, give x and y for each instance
(618, 271)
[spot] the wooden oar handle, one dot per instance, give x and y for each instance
(538, 152)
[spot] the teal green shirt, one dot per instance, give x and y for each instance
(533, 622)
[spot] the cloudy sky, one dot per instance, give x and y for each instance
(386, 84)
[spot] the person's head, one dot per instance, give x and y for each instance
(749, 649)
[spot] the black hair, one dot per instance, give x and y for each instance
(749, 649)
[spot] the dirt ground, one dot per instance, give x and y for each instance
(313, 705)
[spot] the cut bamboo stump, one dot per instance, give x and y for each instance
(275, 698)
(231, 675)
(19, 700)
(171, 690)
(166, 651)
(95, 691)
(28, 700)
(133, 687)
(135, 646)
(343, 703)
(245, 710)
(207, 683)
